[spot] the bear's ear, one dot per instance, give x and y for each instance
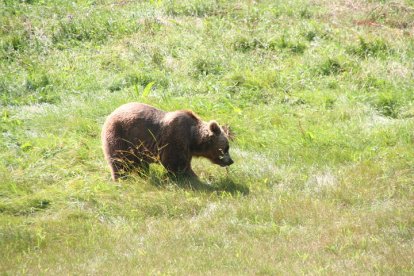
(214, 128)
(228, 132)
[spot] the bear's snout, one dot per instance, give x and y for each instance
(226, 161)
(230, 162)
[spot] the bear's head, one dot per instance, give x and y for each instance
(216, 145)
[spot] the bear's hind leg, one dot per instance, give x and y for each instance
(119, 168)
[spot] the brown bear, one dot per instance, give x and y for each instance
(136, 134)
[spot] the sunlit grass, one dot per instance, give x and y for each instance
(319, 96)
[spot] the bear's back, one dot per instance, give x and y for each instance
(140, 123)
(134, 121)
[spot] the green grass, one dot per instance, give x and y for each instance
(320, 95)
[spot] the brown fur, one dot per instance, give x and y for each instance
(136, 134)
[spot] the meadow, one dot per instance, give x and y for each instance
(320, 96)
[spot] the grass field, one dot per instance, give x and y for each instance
(320, 95)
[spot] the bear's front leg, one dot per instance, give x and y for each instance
(191, 173)
(182, 170)
(118, 168)
(177, 162)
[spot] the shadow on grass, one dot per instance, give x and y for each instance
(223, 185)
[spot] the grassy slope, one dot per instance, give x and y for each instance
(320, 96)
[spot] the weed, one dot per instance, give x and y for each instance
(284, 43)
(206, 67)
(330, 67)
(388, 104)
(191, 7)
(364, 49)
(142, 79)
(244, 44)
